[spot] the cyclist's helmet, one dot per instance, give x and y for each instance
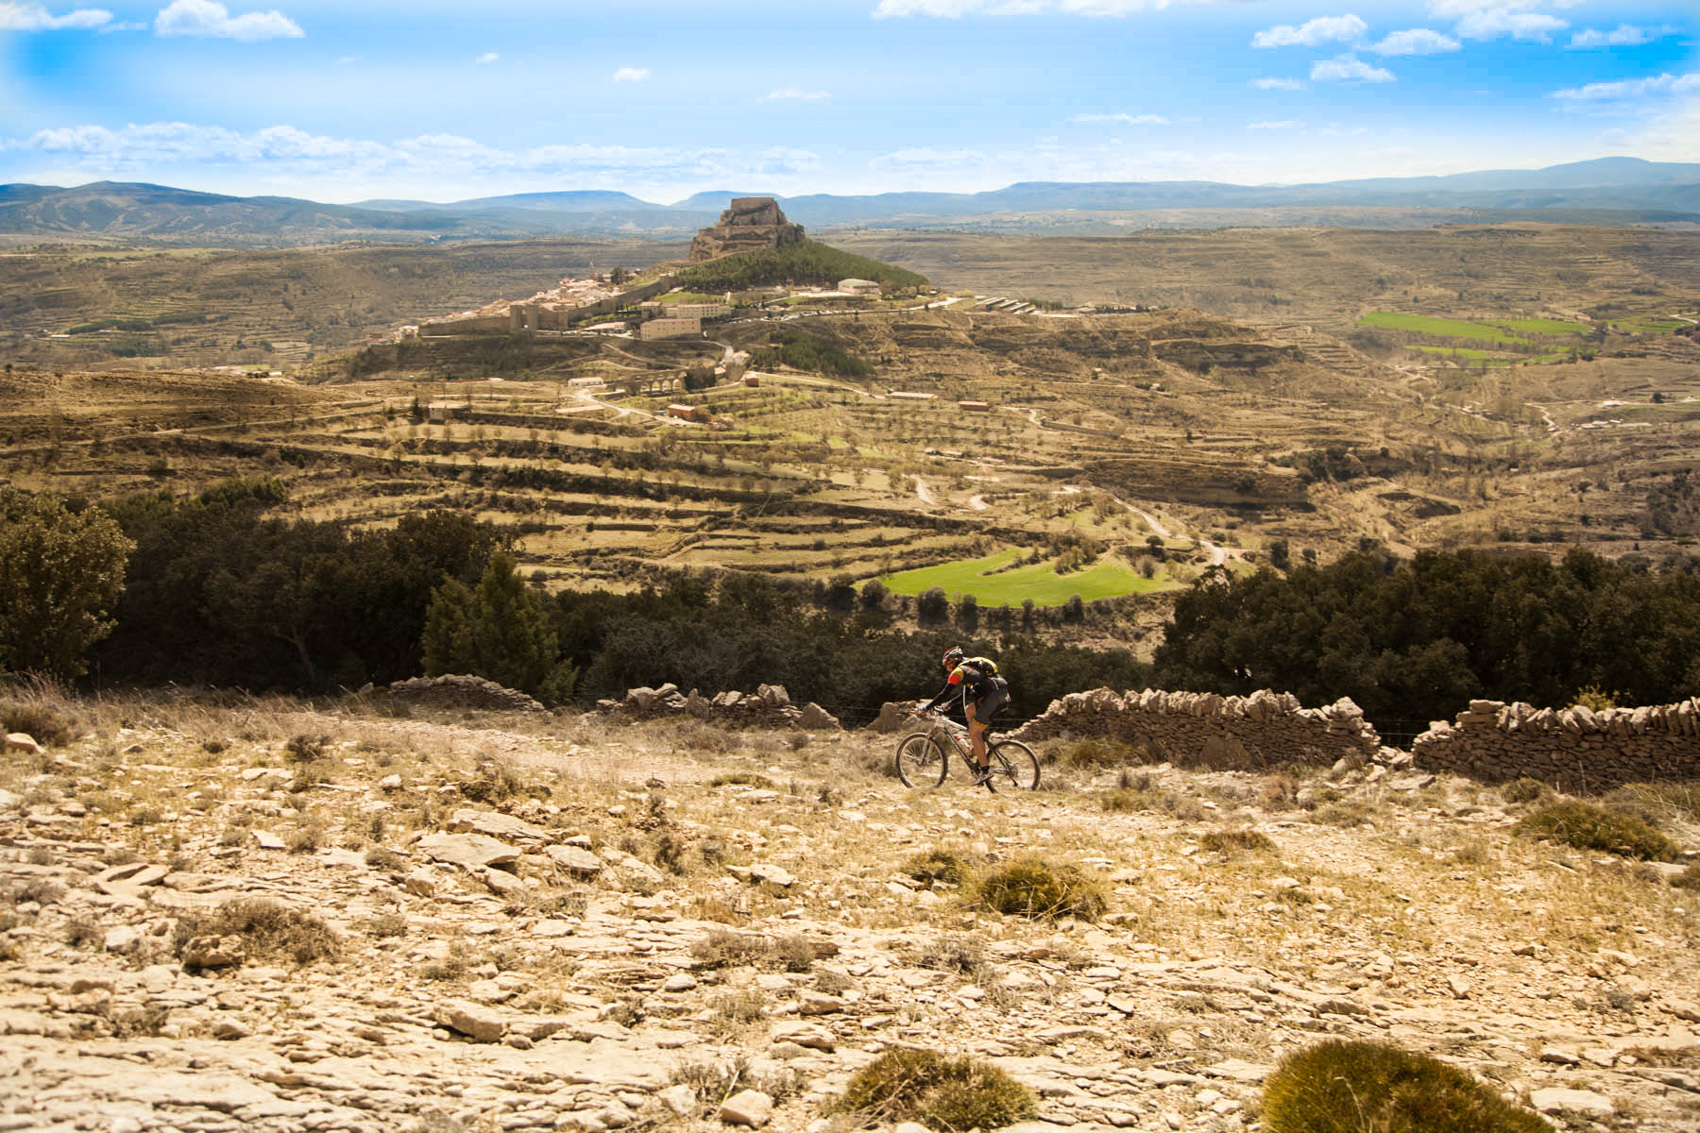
(953, 657)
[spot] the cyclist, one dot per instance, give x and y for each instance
(983, 693)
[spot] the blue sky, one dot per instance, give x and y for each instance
(439, 100)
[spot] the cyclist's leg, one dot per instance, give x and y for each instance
(976, 734)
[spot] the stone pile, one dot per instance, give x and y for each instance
(455, 691)
(769, 706)
(1203, 729)
(1575, 749)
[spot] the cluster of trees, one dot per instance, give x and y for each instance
(212, 589)
(1418, 639)
(804, 351)
(748, 630)
(219, 592)
(804, 263)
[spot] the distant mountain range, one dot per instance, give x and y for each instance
(1609, 190)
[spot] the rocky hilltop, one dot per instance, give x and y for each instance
(750, 224)
(395, 916)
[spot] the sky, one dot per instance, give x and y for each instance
(442, 100)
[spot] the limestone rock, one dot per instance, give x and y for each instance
(750, 223)
(467, 850)
(24, 742)
(214, 952)
(747, 1107)
(575, 859)
(1559, 1100)
(473, 1020)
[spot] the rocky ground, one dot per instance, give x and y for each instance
(270, 917)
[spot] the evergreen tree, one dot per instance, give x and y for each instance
(497, 631)
(60, 572)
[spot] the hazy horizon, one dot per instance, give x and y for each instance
(431, 101)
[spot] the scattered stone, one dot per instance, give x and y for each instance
(467, 850)
(497, 825)
(24, 742)
(266, 840)
(575, 859)
(214, 952)
(1558, 1100)
(747, 1107)
(474, 1020)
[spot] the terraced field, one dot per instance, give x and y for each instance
(1228, 442)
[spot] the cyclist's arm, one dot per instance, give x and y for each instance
(945, 693)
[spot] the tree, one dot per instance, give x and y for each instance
(498, 631)
(60, 572)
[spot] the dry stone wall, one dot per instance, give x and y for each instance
(1575, 749)
(769, 706)
(1197, 729)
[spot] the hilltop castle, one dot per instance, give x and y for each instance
(751, 223)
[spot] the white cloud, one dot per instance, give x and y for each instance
(956, 9)
(207, 19)
(1416, 41)
(1313, 33)
(1289, 124)
(1661, 86)
(796, 94)
(1497, 23)
(631, 74)
(1623, 36)
(33, 17)
(285, 152)
(1349, 69)
(487, 57)
(1278, 84)
(1123, 119)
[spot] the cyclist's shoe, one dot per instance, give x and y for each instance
(982, 776)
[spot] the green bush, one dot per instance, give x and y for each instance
(947, 1094)
(804, 262)
(1035, 888)
(1348, 1087)
(1588, 827)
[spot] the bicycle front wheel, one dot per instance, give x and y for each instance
(920, 761)
(1014, 766)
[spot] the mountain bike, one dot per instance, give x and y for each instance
(923, 758)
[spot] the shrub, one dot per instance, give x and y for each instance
(1525, 790)
(946, 1094)
(1231, 842)
(1688, 878)
(1035, 888)
(305, 748)
(1588, 827)
(268, 929)
(1102, 753)
(743, 779)
(38, 712)
(937, 865)
(1345, 1087)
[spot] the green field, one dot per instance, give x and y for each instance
(1649, 324)
(1547, 326)
(1449, 328)
(1039, 581)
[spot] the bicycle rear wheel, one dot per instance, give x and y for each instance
(1014, 766)
(920, 761)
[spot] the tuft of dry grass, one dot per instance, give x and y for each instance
(1036, 889)
(268, 930)
(1587, 827)
(1230, 843)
